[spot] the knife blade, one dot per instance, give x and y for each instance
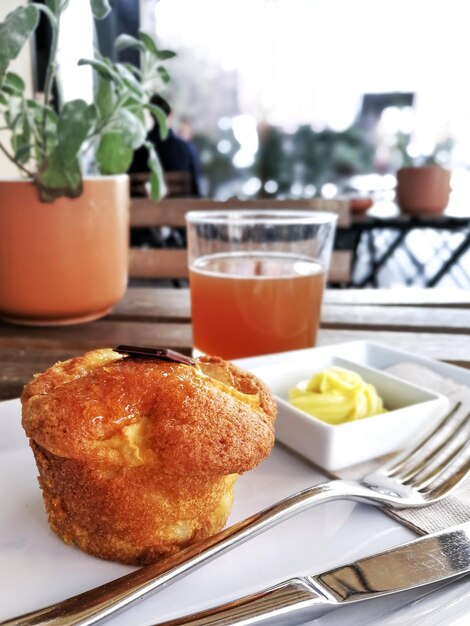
(424, 561)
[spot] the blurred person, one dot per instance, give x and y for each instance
(175, 153)
(185, 129)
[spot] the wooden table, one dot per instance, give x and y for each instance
(432, 322)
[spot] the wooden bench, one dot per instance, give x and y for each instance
(162, 263)
(178, 184)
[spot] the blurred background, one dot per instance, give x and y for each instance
(300, 98)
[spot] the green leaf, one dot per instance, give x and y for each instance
(135, 106)
(53, 5)
(163, 74)
(132, 129)
(9, 91)
(37, 112)
(51, 130)
(21, 140)
(101, 68)
(164, 55)
(127, 41)
(161, 118)
(133, 69)
(157, 181)
(14, 111)
(23, 153)
(75, 122)
(57, 178)
(3, 100)
(34, 105)
(13, 84)
(130, 80)
(113, 156)
(149, 43)
(131, 101)
(100, 8)
(14, 33)
(105, 100)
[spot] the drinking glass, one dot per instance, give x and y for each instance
(257, 279)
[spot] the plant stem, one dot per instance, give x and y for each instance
(99, 129)
(32, 125)
(13, 160)
(50, 76)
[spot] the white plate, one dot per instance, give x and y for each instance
(37, 568)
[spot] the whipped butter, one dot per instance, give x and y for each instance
(336, 395)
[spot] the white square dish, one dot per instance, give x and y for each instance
(411, 410)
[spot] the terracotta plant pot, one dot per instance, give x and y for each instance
(63, 262)
(423, 190)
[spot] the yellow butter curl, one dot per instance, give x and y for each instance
(336, 395)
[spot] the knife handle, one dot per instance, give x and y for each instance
(291, 602)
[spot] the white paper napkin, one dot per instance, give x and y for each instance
(454, 509)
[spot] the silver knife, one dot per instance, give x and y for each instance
(427, 560)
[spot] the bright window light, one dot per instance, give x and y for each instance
(76, 42)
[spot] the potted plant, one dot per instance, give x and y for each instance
(64, 234)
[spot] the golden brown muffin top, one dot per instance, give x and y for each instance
(103, 407)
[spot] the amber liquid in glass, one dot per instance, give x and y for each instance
(250, 304)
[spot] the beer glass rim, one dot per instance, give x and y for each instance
(264, 216)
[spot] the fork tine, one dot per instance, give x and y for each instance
(407, 455)
(450, 484)
(424, 463)
(440, 469)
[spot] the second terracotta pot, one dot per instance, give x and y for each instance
(423, 190)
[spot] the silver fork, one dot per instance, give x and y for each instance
(427, 472)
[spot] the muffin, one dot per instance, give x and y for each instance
(137, 457)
